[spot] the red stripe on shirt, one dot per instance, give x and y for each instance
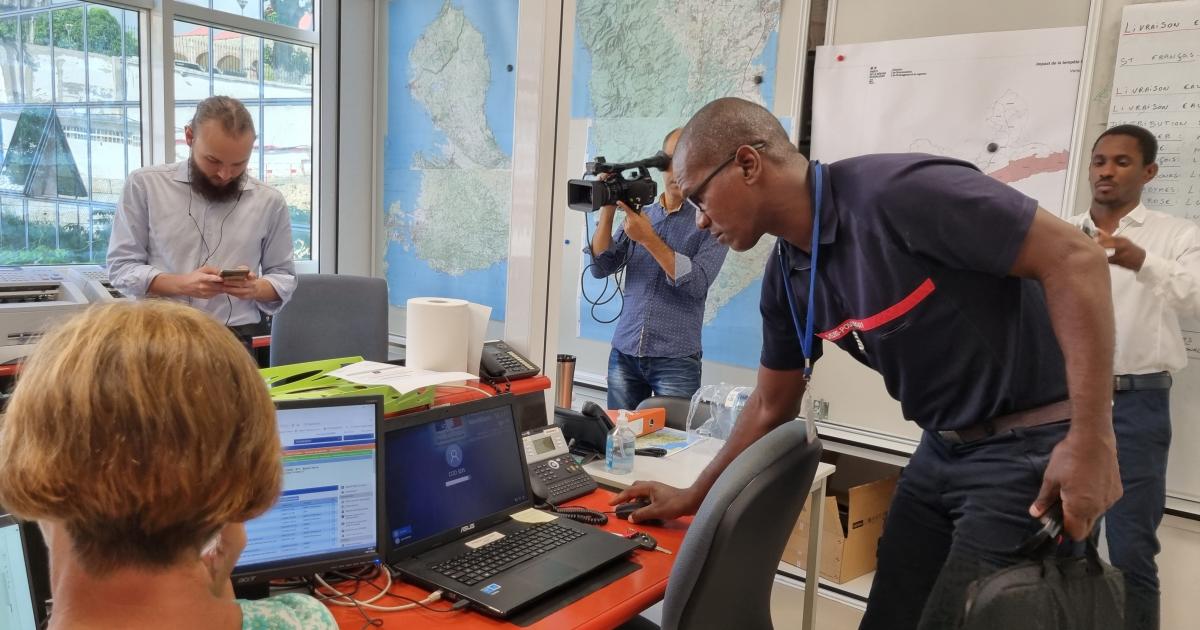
(882, 317)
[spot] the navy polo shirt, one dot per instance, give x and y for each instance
(912, 281)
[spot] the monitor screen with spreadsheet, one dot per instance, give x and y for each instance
(17, 603)
(325, 517)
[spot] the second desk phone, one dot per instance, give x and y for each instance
(553, 473)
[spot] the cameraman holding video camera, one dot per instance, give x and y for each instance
(670, 264)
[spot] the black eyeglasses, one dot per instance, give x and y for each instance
(757, 146)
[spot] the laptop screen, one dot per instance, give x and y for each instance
(16, 584)
(327, 509)
(447, 473)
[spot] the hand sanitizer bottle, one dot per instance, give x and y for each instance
(618, 449)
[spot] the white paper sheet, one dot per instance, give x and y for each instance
(398, 377)
(533, 516)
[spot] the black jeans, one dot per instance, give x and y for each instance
(1142, 421)
(959, 513)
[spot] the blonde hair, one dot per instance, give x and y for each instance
(143, 428)
(229, 112)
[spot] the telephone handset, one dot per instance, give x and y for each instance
(554, 476)
(500, 362)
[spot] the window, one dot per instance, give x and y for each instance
(70, 127)
(294, 13)
(72, 119)
(275, 81)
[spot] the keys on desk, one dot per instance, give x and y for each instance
(647, 542)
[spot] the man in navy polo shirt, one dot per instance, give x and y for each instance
(989, 319)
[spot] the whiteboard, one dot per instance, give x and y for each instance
(1156, 84)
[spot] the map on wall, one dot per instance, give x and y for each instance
(1002, 101)
(447, 157)
(642, 68)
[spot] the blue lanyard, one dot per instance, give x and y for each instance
(806, 336)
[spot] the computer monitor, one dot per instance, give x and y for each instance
(325, 518)
(19, 608)
(449, 468)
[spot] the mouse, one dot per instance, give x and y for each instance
(623, 510)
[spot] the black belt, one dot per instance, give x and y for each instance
(1134, 382)
(1046, 414)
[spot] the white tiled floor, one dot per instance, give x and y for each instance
(787, 607)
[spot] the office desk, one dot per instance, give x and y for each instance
(681, 470)
(605, 608)
(450, 395)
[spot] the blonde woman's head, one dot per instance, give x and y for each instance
(142, 428)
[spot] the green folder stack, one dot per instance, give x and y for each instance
(312, 380)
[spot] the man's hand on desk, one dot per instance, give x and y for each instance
(666, 502)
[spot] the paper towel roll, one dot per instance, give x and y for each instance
(437, 334)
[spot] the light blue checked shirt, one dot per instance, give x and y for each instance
(661, 316)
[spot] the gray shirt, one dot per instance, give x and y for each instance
(159, 225)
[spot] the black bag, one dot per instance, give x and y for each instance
(1049, 592)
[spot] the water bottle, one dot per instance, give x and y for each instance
(619, 447)
(735, 401)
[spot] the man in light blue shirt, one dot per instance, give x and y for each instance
(669, 266)
(179, 225)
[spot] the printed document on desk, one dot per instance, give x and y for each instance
(401, 378)
(672, 440)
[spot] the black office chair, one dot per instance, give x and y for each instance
(332, 316)
(726, 566)
(677, 410)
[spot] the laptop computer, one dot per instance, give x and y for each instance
(452, 478)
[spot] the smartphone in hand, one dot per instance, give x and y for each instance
(235, 274)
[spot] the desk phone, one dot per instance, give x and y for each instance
(553, 474)
(501, 363)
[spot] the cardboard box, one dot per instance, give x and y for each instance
(857, 498)
(643, 421)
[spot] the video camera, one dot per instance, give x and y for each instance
(587, 195)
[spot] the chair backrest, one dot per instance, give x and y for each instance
(727, 562)
(677, 410)
(330, 316)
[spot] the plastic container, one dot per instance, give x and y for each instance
(725, 403)
(619, 447)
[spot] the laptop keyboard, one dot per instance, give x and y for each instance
(513, 549)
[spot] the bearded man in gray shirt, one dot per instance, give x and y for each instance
(179, 225)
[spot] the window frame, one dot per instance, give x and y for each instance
(87, 104)
(156, 19)
(161, 116)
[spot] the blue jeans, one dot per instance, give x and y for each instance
(634, 379)
(1142, 421)
(960, 512)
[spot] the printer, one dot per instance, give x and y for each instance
(31, 300)
(93, 281)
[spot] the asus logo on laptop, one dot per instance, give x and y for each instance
(466, 528)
